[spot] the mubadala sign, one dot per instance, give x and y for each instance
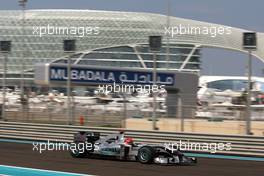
(92, 75)
(56, 74)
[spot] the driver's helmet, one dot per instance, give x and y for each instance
(128, 141)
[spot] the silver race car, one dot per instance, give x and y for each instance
(124, 148)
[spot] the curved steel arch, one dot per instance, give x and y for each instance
(232, 41)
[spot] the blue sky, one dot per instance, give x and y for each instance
(235, 13)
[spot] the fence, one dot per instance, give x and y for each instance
(102, 111)
(118, 112)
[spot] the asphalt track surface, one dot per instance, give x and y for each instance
(22, 155)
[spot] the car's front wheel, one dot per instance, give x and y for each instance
(146, 154)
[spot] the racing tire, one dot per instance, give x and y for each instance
(146, 155)
(77, 153)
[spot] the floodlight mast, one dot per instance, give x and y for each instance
(155, 44)
(249, 44)
(5, 48)
(69, 48)
(23, 3)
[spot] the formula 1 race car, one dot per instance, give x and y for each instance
(122, 148)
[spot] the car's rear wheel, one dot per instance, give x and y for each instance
(146, 154)
(77, 153)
